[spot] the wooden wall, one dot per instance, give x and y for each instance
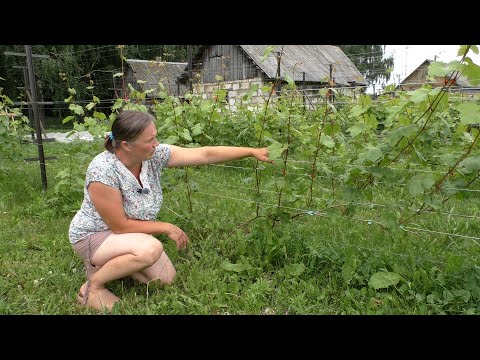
(227, 61)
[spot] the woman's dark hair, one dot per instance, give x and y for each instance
(128, 125)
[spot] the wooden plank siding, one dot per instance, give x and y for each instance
(227, 61)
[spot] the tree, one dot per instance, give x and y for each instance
(171, 53)
(89, 69)
(11, 78)
(370, 61)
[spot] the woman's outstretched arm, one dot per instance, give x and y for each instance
(181, 156)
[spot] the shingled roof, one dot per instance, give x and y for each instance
(155, 71)
(314, 60)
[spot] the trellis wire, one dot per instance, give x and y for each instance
(356, 219)
(371, 205)
(318, 213)
(321, 176)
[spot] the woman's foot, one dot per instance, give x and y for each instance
(98, 299)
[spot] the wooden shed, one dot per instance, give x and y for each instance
(238, 66)
(151, 73)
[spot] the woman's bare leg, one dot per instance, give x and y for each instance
(119, 255)
(163, 271)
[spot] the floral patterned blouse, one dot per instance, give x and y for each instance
(141, 203)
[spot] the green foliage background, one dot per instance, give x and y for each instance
(353, 217)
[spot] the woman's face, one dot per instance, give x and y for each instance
(144, 145)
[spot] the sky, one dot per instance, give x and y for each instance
(408, 57)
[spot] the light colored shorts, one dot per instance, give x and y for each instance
(86, 247)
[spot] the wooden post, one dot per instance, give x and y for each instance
(30, 111)
(36, 116)
(277, 54)
(303, 90)
(190, 66)
(331, 84)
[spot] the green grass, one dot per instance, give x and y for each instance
(312, 264)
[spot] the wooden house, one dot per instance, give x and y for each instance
(151, 73)
(419, 77)
(237, 67)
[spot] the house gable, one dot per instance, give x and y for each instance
(227, 61)
(419, 77)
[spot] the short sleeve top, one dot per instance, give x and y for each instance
(141, 203)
